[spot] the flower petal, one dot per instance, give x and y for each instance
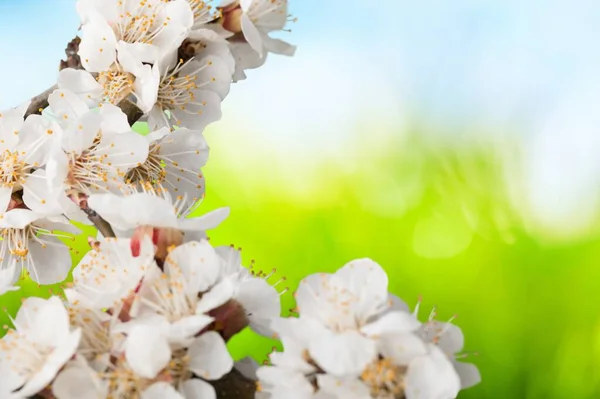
(82, 83)
(161, 390)
(209, 357)
(432, 376)
(147, 363)
(197, 389)
(347, 353)
(50, 260)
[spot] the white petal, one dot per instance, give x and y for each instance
(180, 20)
(207, 221)
(5, 196)
(212, 72)
(347, 388)
(197, 389)
(216, 297)
(278, 46)
(37, 196)
(81, 135)
(114, 119)
(107, 9)
(51, 260)
(392, 322)
(469, 374)
(146, 87)
(198, 263)
(161, 390)
(347, 353)
(209, 356)
(402, 348)
(253, 36)
(97, 49)
(197, 116)
(44, 321)
(147, 363)
(188, 327)
(261, 302)
(431, 376)
(67, 106)
(8, 277)
(36, 138)
(53, 363)
(18, 218)
(82, 83)
(132, 55)
(123, 150)
(187, 148)
(76, 382)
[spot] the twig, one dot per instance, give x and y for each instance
(102, 225)
(81, 200)
(234, 386)
(39, 102)
(131, 110)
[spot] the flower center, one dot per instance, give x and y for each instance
(176, 90)
(151, 171)
(203, 12)
(123, 382)
(95, 332)
(87, 169)
(16, 242)
(26, 358)
(13, 170)
(384, 379)
(117, 84)
(170, 298)
(144, 24)
(178, 371)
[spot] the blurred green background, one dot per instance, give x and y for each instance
(437, 217)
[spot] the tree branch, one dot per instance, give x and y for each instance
(39, 102)
(131, 110)
(234, 386)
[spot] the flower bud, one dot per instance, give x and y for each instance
(232, 18)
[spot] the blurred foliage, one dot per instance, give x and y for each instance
(437, 215)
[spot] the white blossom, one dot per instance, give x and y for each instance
(8, 277)
(256, 19)
(41, 343)
(190, 93)
(178, 299)
(31, 241)
(96, 149)
(127, 77)
(148, 29)
(110, 273)
(174, 164)
(259, 299)
(353, 306)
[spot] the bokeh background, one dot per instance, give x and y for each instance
(457, 143)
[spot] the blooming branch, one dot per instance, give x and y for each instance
(153, 304)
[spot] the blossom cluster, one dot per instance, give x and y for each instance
(354, 340)
(153, 304)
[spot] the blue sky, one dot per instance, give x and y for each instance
(528, 69)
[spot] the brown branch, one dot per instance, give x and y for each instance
(39, 102)
(131, 110)
(81, 200)
(234, 386)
